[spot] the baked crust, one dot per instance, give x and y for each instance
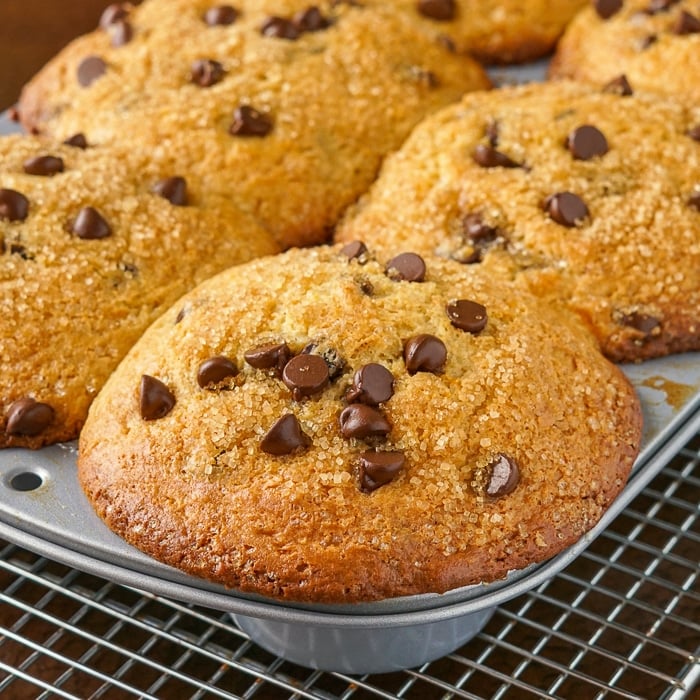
(71, 302)
(630, 266)
(196, 490)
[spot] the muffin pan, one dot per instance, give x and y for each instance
(43, 509)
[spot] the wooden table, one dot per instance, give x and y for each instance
(32, 31)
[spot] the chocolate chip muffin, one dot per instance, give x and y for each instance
(284, 107)
(91, 252)
(325, 426)
(588, 197)
(655, 44)
(494, 32)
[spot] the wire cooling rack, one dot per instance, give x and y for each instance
(622, 621)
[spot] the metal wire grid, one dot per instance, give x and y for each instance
(622, 621)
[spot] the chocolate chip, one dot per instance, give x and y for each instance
(77, 141)
(305, 375)
(489, 157)
(220, 15)
(14, 206)
(310, 20)
(28, 417)
(155, 399)
(330, 356)
(693, 201)
(121, 32)
(476, 230)
(467, 315)
(268, 356)
(361, 421)
(492, 129)
(90, 69)
(206, 72)
(566, 208)
(587, 142)
(43, 165)
(21, 251)
(504, 476)
(174, 189)
(284, 437)
(441, 10)
(280, 28)
(694, 132)
(90, 224)
(214, 371)
(686, 24)
(424, 353)
(607, 8)
(407, 267)
(644, 323)
(248, 121)
(372, 384)
(378, 468)
(355, 250)
(619, 86)
(648, 41)
(116, 12)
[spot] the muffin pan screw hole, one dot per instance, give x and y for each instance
(26, 481)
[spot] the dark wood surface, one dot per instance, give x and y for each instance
(31, 31)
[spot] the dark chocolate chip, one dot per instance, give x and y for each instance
(280, 28)
(21, 251)
(284, 437)
(77, 141)
(566, 208)
(693, 201)
(174, 189)
(424, 353)
(441, 10)
(372, 384)
(248, 121)
(14, 206)
(619, 86)
(467, 315)
(492, 129)
(355, 250)
(361, 421)
(408, 267)
(28, 417)
(13, 113)
(90, 69)
(121, 33)
(378, 468)
(644, 323)
(268, 356)
(686, 24)
(214, 371)
(220, 15)
(648, 41)
(305, 375)
(155, 399)
(90, 224)
(504, 476)
(330, 355)
(489, 157)
(206, 72)
(476, 230)
(43, 165)
(310, 20)
(694, 132)
(607, 8)
(116, 12)
(587, 142)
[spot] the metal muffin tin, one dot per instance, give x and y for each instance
(42, 508)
